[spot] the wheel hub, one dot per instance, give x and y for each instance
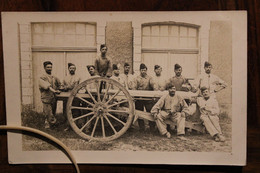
(100, 109)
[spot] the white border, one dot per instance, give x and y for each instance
(10, 22)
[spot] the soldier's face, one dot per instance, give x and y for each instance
(91, 71)
(172, 91)
(72, 69)
(178, 71)
(208, 69)
(48, 68)
(205, 93)
(116, 72)
(103, 50)
(126, 69)
(158, 71)
(143, 71)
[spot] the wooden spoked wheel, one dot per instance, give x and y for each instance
(100, 109)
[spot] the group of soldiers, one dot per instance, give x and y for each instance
(169, 106)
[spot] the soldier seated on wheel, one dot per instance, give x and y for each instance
(170, 106)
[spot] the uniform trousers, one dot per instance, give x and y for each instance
(211, 123)
(176, 117)
(49, 110)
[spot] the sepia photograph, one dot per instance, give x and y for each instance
(121, 87)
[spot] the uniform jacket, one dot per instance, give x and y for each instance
(143, 83)
(170, 104)
(103, 66)
(45, 82)
(208, 107)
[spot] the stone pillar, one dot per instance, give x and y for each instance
(119, 40)
(137, 46)
(220, 55)
(26, 63)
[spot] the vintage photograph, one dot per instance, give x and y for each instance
(128, 82)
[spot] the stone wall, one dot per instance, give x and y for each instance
(220, 55)
(26, 63)
(119, 40)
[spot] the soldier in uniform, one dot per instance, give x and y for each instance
(209, 110)
(159, 80)
(170, 106)
(209, 80)
(69, 83)
(126, 76)
(49, 85)
(103, 63)
(179, 81)
(143, 82)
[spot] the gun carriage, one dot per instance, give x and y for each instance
(102, 109)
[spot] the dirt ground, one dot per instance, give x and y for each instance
(132, 140)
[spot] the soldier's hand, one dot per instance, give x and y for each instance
(57, 92)
(155, 116)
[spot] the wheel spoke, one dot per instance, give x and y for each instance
(113, 96)
(98, 92)
(115, 118)
(111, 125)
(84, 100)
(118, 111)
(89, 93)
(103, 127)
(87, 123)
(83, 108)
(118, 103)
(82, 116)
(94, 129)
(105, 95)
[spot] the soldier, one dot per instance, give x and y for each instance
(159, 80)
(92, 71)
(126, 76)
(209, 110)
(170, 106)
(180, 82)
(116, 74)
(49, 85)
(70, 81)
(103, 63)
(143, 82)
(210, 81)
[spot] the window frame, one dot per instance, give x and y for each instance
(171, 50)
(37, 48)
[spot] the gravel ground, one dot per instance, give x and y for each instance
(132, 140)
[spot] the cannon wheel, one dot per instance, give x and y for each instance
(97, 112)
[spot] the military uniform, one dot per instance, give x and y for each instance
(143, 83)
(48, 98)
(170, 107)
(209, 115)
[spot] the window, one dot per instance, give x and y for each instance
(166, 44)
(64, 35)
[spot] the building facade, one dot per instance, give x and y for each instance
(163, 40)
